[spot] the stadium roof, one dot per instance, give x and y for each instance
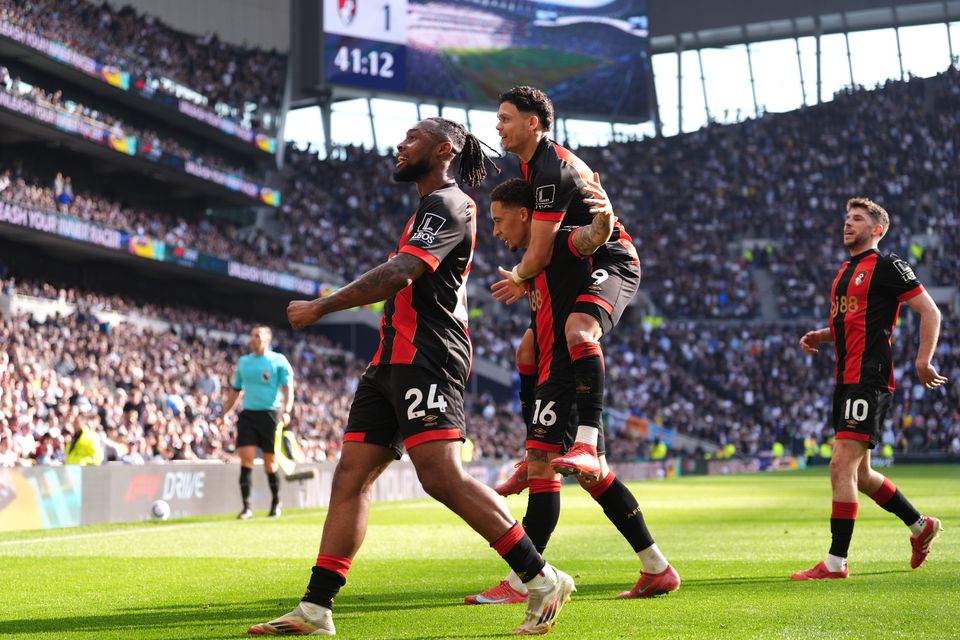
(691, 22)
(707, 23)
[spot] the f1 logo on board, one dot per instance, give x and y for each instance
(142, 485)
(429, 228)
(347, 10)
(546, 195)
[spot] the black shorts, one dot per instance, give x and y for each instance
(859, 411)
(554, 427)
(398, 405)
(608, 291)
(258, 429)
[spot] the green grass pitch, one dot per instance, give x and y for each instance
(734, 540)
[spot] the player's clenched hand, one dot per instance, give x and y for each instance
(810, 341)
(302, 313)
(507, 290)
(928, 375)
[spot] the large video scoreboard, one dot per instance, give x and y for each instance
(590, 56)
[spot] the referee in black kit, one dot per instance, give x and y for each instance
(265, 378)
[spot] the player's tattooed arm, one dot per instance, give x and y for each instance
(590, 238)
(375, 285)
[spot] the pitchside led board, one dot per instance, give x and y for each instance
(590, 56)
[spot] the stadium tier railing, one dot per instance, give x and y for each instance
(115, 139)
(162, 91)
(64, 226)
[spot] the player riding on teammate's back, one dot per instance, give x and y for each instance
(559, 180)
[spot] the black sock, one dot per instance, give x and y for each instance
(842, 519)
(528, 386)
(329, 574)
(899, 506)
(517, 549)
(891, 499)
(324, 587)
(622, 509)
(543, 511)
(587, 359)
(245, 476)
(273, 479)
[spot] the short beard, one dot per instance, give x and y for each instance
(410, 172)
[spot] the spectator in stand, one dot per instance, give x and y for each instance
(244, 84)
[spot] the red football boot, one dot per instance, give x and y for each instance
(500, 593)
(654, 584)
(579, 459)
(515, 483)
(820, 572)
(921, 543)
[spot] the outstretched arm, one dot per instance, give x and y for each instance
(375, 285)
(929, 333)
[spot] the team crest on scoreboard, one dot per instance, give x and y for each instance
(347, 10)
(860, 277)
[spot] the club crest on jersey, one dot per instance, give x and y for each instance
(347, 10)
(905, 270)
(429, 228)
(546, 195)
(860, 277)
(265, 376)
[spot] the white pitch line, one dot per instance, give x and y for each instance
(104, 534)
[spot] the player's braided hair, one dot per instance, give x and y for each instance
(473, 160)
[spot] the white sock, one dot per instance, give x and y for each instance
(543, 579)
(835, 563)
(516, 582)
(917, 527)
(313, 611)
(588, 435)
(653, 561)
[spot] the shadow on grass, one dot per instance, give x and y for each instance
(207, 618)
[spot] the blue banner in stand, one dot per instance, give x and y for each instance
(64, 226)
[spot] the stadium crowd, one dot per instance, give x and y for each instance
(244, 84)
(22, 184)
(688, 201)
(148, 143)
(153, 392)
(151, 386)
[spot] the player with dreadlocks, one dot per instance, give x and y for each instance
(411, 395)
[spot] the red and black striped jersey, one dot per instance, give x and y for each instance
(864, 304)
(425, 324)
(552, 294)
(558, 178)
